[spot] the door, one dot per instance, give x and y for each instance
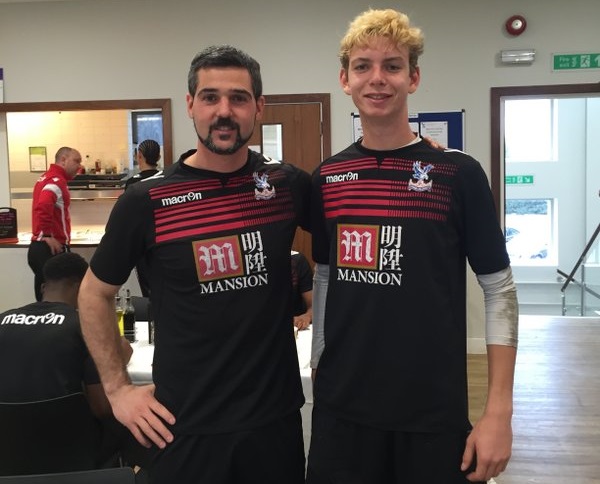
(545, 163)
(296, 129)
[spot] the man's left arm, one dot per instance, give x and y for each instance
(490, 441)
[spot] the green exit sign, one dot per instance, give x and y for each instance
(564, 62)
(518, 179)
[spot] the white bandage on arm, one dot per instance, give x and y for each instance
(320, 284)
(501, 308)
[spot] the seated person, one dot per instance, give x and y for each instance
(302, 279)
(42, 351)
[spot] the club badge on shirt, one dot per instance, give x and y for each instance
(421, 174)
(264, 190)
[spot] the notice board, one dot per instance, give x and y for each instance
(445, 127)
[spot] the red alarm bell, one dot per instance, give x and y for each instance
(516, 25)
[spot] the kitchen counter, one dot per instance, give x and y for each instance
(80, 237)
(16, 282)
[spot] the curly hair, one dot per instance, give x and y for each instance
(65, 266)
(387, 23)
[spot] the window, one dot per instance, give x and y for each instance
(530, 231)
(272, 141)
(526, 120)
(146, 125)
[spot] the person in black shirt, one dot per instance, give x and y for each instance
(216, 230)
(147, 155)
(302, 281)
(394, 224)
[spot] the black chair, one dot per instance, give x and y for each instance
(57, 435)
(143, 310)
(117, 475)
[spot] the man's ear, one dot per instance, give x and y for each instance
(189, 103)
(344, 81)
(415, 79)
(260, 107)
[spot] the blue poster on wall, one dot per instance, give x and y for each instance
(446, 128)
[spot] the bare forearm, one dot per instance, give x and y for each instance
(501, 369)
(100, 331)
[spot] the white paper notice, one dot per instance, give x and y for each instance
(436, 130)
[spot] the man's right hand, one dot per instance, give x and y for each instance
(55, 246)
(136, 408)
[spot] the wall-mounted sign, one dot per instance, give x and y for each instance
(37, 159)
(518, 179)
(564, 62)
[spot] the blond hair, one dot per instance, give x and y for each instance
(387, 23)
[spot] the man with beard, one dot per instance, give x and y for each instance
(215, 230)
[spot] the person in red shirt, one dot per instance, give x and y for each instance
(50, 218)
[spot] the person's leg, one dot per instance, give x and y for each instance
(429, 457)
(37, 255)
(272, 454)
(191, 458)
(343, 452)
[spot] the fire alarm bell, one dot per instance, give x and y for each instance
(516, 25)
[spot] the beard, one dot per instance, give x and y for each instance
(223, 123)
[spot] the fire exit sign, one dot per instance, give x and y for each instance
(518, 179)
(563, 62)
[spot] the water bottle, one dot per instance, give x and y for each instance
(119, 314)
(129, 318)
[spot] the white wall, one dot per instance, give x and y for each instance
(114, 49)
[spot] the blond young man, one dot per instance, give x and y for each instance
(395, 222)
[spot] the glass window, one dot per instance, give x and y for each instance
(526, 120)
(272, 141)
(146, 125)
(529, 231)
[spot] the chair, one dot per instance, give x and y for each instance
(116, 475)
(57, 435)
(143, 309)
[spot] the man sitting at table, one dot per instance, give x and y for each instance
(41, 343)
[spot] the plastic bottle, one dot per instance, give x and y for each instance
(119, 314)
(129, 318)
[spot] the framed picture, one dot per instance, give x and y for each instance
(37, 159)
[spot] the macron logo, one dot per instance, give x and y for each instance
(31, 319)
(342, 177)
(176, 200)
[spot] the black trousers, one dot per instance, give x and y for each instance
(344, 452)
(272, 454)
(37, 255)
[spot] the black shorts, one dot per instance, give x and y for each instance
(272, 454)
(350, 453)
